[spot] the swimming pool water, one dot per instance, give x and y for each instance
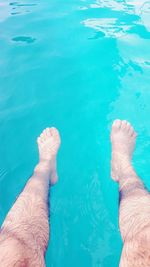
(76, 65)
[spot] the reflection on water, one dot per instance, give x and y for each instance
(8, 8)
(138, 13)
(145, 14)
(114, 5)
(126, 6)
(110, 27)
(16, 4)
(130, 26)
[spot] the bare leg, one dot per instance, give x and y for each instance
(134, 218)
(25, 232)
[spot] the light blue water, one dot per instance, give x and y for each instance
(76, 65)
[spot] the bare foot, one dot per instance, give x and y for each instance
(48, 144)
(123, 139)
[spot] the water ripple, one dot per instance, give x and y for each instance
(3, 172)
(114, 5)
(110, 27)
(18, 4)
(89, 206)
(14, 8)
(129, 15)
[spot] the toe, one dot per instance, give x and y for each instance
(128, 126)
(124, 125)
(42, 136)
(47, 132)
(54, 132)
(116, 125)
(39, 141)
(131, 131)
(134, 135)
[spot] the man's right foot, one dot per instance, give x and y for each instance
(123, 139)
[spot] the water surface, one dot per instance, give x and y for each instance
(75, 65)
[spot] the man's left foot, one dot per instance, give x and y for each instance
(48, 144)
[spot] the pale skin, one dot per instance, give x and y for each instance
(25, 232)
(134, 215)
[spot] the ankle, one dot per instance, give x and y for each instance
(43, 168)
(127, 176)
(126, 170)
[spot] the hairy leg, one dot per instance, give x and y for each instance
(134, 217)
(25, 232)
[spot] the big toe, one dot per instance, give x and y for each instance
(116, 125)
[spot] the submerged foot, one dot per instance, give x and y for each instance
(123, 139)
(48, 144)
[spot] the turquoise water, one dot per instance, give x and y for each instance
(76, 65)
